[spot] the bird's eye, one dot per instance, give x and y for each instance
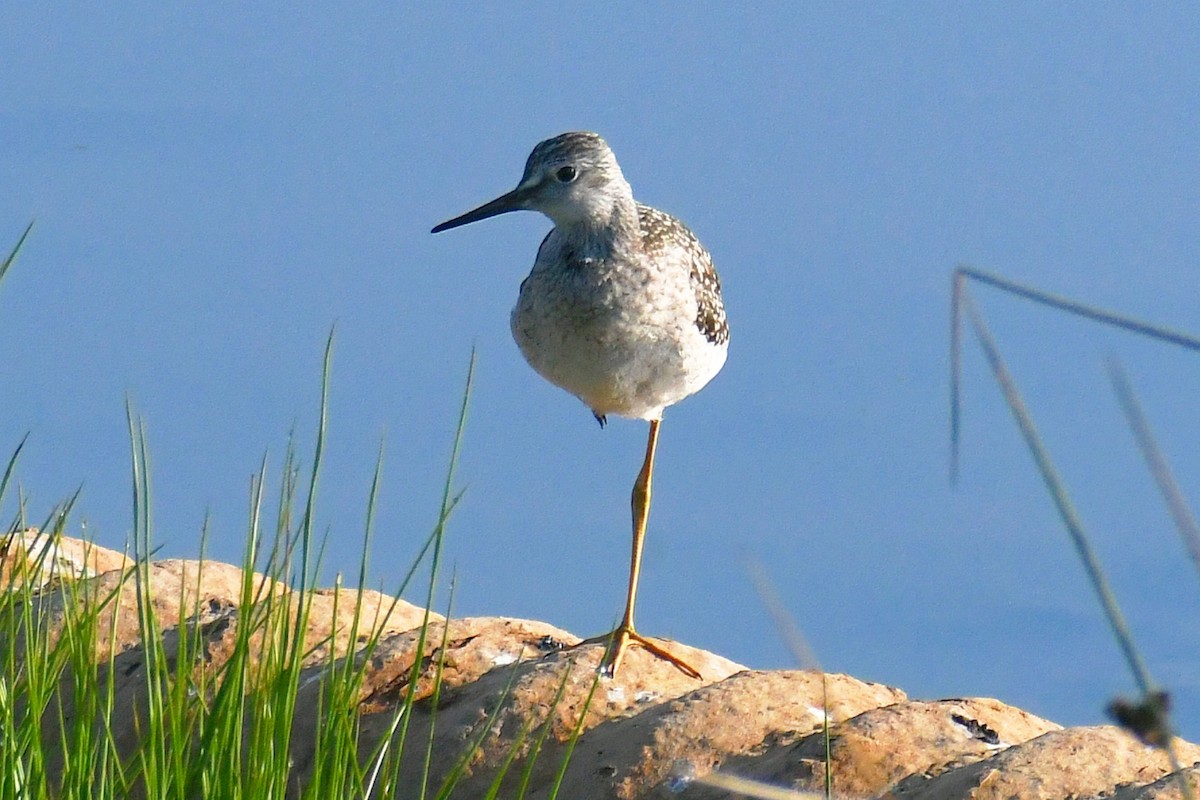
(565, 174)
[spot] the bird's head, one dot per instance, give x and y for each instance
(573, 179)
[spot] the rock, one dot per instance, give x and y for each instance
(1165, 788)
(523, 685)
(183, 589)
(872, 751)
(489, 695)
(696, 732)
(1073, 762)
(41, 559)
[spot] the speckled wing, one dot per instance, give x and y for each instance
(661, 231)
(710, 309)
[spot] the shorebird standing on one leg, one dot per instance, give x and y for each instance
(622, 309)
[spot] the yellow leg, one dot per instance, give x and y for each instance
(625, 634)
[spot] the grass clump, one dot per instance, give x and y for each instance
(216, 701)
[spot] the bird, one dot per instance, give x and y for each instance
(622, 309)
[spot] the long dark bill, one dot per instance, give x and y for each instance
(513, 201)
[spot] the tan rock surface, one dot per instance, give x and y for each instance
(1073, 762)
(704, 728)
(30, 555)
(184, 589)
(507, 682)
(874, 750)
(1165, 788)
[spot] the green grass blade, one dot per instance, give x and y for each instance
(1113, 318)
(310, 503)
(435, 696)
(536, 749)
(449, 500)
(957, 298)
(1058, 492)
(11, 466)
(12, 256)
(576, 732)
(1181, 514)
(801, 650)
(957, 282)
(1078, 534)
(464, 758)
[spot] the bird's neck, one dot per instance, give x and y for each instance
(611, 230)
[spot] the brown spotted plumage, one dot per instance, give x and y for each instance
(663, 233)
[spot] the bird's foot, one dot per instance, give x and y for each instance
(620, 639)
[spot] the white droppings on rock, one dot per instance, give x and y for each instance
(819, 713)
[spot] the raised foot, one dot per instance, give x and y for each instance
(620, 639)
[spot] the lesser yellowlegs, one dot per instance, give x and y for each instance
(622, 309)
